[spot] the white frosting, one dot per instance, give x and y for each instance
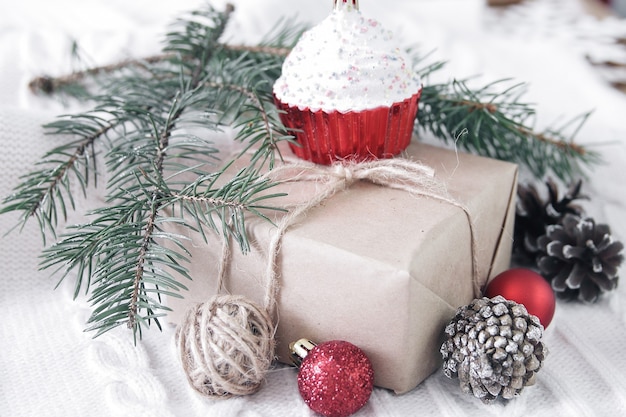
(346, 62)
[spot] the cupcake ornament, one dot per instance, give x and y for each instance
(347, 91)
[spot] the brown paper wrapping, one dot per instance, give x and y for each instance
(378, 267)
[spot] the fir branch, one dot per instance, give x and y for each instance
(272, 48)
(259, 49)
(44, 190)
(147, 117)
(259, 109)
(148, 229)
(205, 200)
(495, 122)
(141, 262)
(255, 116)
(48, 85)
(121, 266)
(51, 85)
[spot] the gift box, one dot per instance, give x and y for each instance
(380, 267)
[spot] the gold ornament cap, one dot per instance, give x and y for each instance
(300, 349)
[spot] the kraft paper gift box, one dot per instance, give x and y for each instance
(376, 266)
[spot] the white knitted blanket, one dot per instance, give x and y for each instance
(49, 366)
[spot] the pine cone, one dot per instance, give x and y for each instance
(580, 258)
(494, 347)
(533, 215)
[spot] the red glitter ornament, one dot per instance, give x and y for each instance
(335, 379)
(528, 288)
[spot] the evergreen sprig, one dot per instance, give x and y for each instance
(150, 124)
(494, 121)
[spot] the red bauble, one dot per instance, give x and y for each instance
(528, 288)
(336, 379)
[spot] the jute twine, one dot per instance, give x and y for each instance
(397, 173)
(227, 344)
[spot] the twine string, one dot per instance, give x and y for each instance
(226, 344)
(397, 173)
(223, 263)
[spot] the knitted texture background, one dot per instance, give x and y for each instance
(49, 366)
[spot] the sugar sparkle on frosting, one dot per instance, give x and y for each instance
(346, 63)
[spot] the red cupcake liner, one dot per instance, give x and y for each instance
(324, 137)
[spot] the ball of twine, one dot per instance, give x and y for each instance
(226, 346)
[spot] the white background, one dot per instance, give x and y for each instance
(48, 366)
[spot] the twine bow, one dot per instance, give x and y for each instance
(398, 173)
(226, 344)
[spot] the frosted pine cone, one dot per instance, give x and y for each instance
(494, 347)
(533, 214)
(580, 258)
